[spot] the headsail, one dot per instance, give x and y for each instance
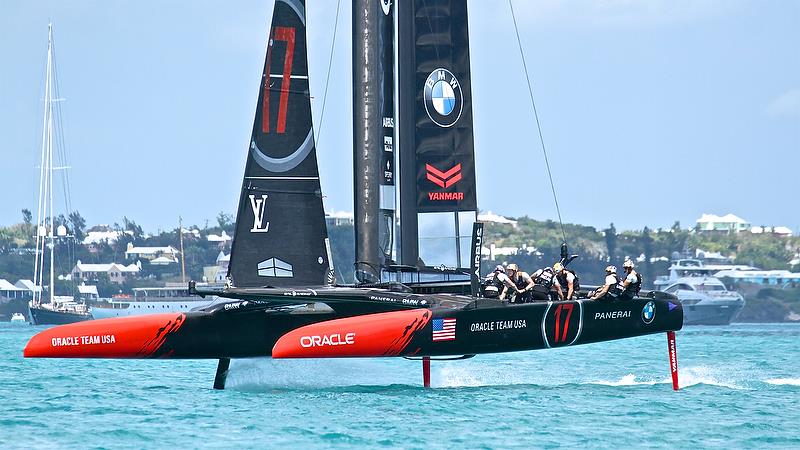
(437, 161)
(280, 237)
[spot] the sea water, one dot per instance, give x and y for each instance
(740, 387)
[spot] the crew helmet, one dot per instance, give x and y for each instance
(491, 291)
(628, 264)
(611, 269)
(513, 267)
(558, 267)
(500, 268)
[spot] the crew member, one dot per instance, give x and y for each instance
(608, 290)
(497, 284)
(522, 281)
(567, 281)
(632, 282)
(545, 281)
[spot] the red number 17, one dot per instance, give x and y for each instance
(285, 34)
(567, 307)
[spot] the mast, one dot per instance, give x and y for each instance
(373, 136)
(45, 181)
(51, 232)
(183, 257)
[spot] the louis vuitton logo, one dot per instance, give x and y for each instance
(259, 208)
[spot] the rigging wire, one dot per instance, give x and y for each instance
(538, 126)
(328, 76)
(60, 140)
(60, 144)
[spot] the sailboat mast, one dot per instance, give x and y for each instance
(38, 268)
(51, 231)
(183, 257)
(373, 136)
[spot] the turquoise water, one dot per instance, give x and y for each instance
(740, 388)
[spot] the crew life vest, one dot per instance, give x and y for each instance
(614, 290)
(633, 288)
(545, 278)
(562, 280)
(492, 287)
(519, 281)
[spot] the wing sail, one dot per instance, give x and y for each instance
(280, 237)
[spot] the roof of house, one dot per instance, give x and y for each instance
(339, 215)
(106, 267)
(152, 250)
(218, 238)
(728, 218)
(27, 285)
(6, 286)
(163, 260)
(494, 218)
(94, 237)
(84, 289)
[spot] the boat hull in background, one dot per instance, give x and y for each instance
(44, 316)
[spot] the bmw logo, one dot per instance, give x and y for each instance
(443, 98)
(649, 312)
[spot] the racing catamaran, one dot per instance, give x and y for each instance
(283, 300)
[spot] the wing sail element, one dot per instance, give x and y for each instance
(280, 237)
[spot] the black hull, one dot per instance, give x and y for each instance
(358, 323)
(42, 316)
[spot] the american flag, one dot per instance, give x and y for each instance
(444, 329)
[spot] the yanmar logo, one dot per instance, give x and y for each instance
(443, 179)
(327, 340)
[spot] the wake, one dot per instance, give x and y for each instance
(365, 373)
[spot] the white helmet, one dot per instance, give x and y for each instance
(628, 264)
(611, 269)
(500, 268)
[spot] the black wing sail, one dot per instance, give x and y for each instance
(437, 163)
(280, 237)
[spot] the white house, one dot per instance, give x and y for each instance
(88, 292)
(151, 253)
(117, 273)
(339, 218)
(219, 238)
(494, 218)
(96, 237)
(781, 231)
(9, 290)
(217, 273)
(728, 222)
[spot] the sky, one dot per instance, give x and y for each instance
(651, 111)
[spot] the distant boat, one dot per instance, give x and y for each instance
(705, 299)
(18, 318)
(59, 310)
(152, 300)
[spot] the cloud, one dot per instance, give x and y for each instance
(622, 12)
(785, 105)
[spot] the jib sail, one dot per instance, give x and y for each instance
(437, 162)
(280, 237)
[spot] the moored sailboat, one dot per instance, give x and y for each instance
(59, 309)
